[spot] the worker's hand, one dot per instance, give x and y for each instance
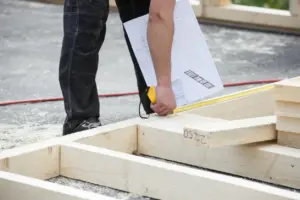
(165, 101)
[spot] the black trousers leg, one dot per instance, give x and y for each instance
(130, 9)
(84, 33)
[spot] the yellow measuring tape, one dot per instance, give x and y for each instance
(223, 98)
(152, 97)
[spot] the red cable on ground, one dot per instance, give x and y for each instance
(127, 93)
(60, 99)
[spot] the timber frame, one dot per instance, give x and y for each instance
(224, 12)
(226, 148)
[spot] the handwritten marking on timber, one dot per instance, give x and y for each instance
(192, 135)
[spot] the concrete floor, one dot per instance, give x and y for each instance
(30, 41)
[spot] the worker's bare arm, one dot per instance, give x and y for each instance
(160, 38)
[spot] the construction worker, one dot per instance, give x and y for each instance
(84, 33)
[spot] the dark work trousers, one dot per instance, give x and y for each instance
(84, 32)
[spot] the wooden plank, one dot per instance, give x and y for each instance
(36, 161)
(252, 15)
(41, 160)
(121, 139)
(289, 139)
(266, 161)
(234, 132)
(287, 109)
(287, 90)
(258, 104)
(17, 187)
(178, 121)
(156, 179)
(217, 2)
(294, 7)
(288, 124)
(197, 7)
(287, 112)
(119, 136)
(254, 102)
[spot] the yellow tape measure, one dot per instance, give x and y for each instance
(152, 94)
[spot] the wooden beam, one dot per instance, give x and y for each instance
(287, 90)
(266, 161)
(17, 187)
(288, 124)
(294, 6)
(287, 109)
(252, 15)
(178, 121)
(288, 119)
(197, 7)
(156, 179)
(119, 136)
(256, 104)
(122, 139)
(41, 160)
(289, 139)
(236, 132)
(37, 161)
(216, 3)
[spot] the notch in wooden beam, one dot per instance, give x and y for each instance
(157, 179)
(236, 132)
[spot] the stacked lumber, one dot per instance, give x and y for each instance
(287, 110)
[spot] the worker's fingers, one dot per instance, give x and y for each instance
(163, 112)
(161, 109)
(157, 108)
